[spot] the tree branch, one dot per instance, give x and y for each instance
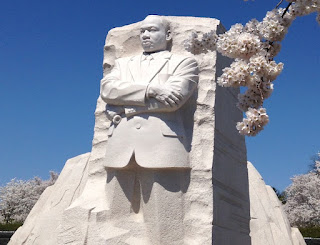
(279, 4)
(286, 10)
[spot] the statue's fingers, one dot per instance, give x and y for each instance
(165, 102)
(171, 101)
(177, 94)
(174, 98)
(162, 100)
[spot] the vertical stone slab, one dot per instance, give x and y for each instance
(229, 171)
(217, 200)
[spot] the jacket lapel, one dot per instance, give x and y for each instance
(160, 60)
(134, 68)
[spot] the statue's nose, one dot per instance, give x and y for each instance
(145, 35)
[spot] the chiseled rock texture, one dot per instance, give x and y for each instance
(269, 224)
(216, 206)
(45, 217)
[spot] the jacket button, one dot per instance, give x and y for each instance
(138, 125)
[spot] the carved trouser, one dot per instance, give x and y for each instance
(147, 202)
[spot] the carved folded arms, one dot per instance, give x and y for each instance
(117, 91)
(132, 97)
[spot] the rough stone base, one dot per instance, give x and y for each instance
(42, 223)
(269, 225)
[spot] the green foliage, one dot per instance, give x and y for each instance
(10, 226)
(310, 231)
(282, 196)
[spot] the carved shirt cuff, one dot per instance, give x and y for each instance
(129, 111)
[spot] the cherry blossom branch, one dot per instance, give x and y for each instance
(286, 10)
(253, 48)
(279, 4)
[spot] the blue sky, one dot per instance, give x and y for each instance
(51, 65)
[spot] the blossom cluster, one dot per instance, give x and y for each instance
(254, 123)
(18, 197)
(303, 198)
(253, 48)
(237, 43)
(197, 46)
(273, 27)
(303, 7)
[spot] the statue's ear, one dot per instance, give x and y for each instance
(168, 36)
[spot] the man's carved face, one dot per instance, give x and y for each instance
(153, 35)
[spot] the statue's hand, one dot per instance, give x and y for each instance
(113, 110)
(166, 95)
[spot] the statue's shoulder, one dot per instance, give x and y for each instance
(124, 59)
(181, 57)
(128, 58)
(178, 58)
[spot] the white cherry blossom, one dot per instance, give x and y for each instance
(18, 197)
(254, 123)
(272, 27)
(253, 46)
(303, 198)
(237, 43)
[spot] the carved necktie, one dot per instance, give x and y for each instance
(145, 64)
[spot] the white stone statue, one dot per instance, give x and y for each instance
(143, 95)
(147, 150)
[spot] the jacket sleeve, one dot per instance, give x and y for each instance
(116, 91)
(184, 79)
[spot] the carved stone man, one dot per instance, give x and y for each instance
(147, 149)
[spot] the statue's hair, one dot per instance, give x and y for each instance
(163, 19)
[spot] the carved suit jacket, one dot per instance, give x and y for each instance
(150, 130)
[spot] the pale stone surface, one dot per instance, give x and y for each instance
(42, 222)
(269, 224)
(215, 207)
(147, 159)
(297, 238)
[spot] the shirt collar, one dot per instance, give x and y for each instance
(154, 55)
